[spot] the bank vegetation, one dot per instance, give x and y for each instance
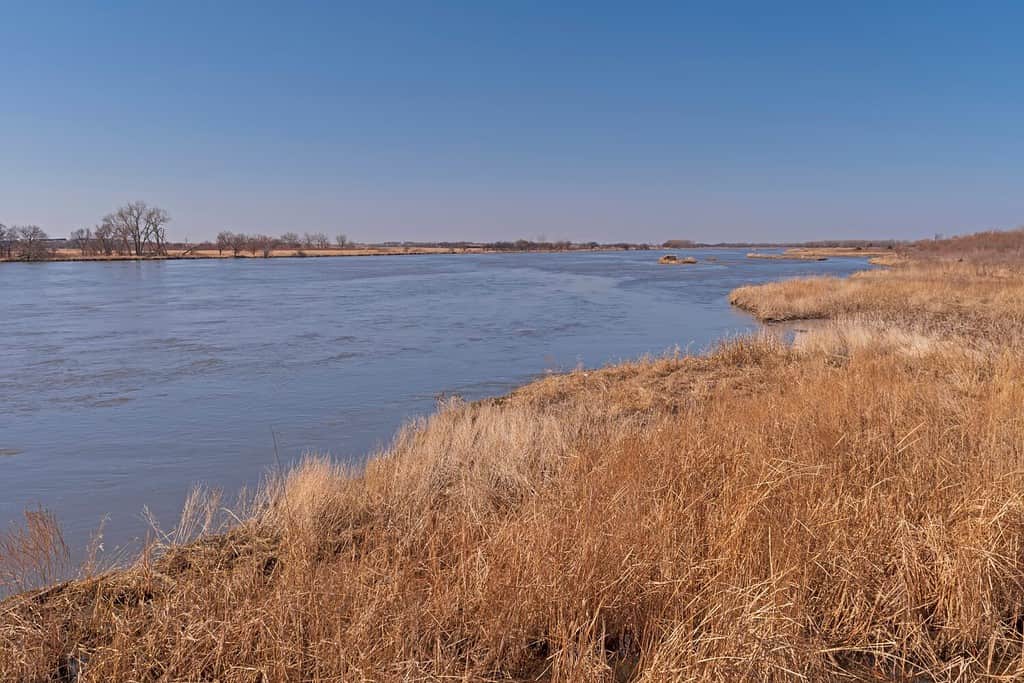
(138, 231)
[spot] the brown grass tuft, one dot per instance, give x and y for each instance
(32, 554)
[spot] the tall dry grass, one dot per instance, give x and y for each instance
(974, 302)
(991, 246)
(698, 518)
(848, 508)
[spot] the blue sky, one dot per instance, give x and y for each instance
(481, 120)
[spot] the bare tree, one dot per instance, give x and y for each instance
(88, 243)
(75, 238)
(156, 223)
(291, 239)
(7, 239)
(342, 240)
(125, 225)
(238, 242)
(137, 225)
(122, 239)
(81, 239)
(105, 239)
(316, 240)
(266, 244)
(223, 241)
(33, 243)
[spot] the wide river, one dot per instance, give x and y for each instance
(123, 385)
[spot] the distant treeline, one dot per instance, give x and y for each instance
(135, 229)
(518, 245)
(818, 244)
(139, 230)
(238, 242)
(26, 242)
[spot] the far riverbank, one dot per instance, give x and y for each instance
(206, 254)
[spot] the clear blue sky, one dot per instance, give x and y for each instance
(486, 120)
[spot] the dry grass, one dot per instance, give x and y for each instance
(848, 508)
(970, 300)
(1002, 246)
(673, 260)
(787, 256)
(838, 252)
(880, 256)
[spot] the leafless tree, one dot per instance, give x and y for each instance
(238, 242)
(291, 239)
(156, 223)
(105, 239)
(315, 240)
(88, 242)
(122, 239)
(137, 225)
(126, 231)
(82, 240)
(342, 240)
(75, 238)
(266, 244)
(33, 243)
(7, 239)
(223, 241)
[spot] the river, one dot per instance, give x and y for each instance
(124, 384)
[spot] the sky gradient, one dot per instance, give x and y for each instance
(484, 121)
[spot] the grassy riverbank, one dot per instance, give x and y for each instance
(181, 254)
(192, 254)
(852, 506)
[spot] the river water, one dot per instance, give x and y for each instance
(123, 385)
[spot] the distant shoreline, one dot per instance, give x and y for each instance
(212, 254)
(798, 253)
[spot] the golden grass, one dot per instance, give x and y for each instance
(853, 252)
(787, 256)
(969, 300)
(881, 256)
(889, 259)
(993, 246)
(850, 507)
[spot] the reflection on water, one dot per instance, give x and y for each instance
(124, 384)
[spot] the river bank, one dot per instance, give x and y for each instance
(793, 253)
(74, 255)
(697, 517)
